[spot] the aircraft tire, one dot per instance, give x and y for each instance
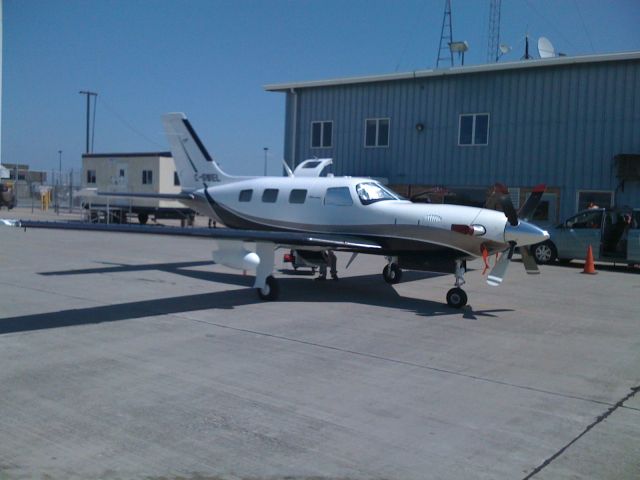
(392, 273)
(270, 290)
(456, 298)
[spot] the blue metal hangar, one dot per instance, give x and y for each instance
(572, 123)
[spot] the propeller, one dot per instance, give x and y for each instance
(500, 197)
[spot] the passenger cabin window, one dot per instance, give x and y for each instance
(245, 195)
(589, 219)
(297, 196)
(371, 192)
(338, 196)
(270, 195)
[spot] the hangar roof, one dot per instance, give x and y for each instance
(492, 67)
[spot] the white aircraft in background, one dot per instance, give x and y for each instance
(308, 212)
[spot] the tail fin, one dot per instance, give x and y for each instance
(194, 165)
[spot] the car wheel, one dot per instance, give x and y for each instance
(544, 253)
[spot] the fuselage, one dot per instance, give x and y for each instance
(353, 206)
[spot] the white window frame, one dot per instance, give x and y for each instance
(473, 129)
(147, 177)
(322, 124)
(377, 142)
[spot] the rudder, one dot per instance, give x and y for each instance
(195, 167)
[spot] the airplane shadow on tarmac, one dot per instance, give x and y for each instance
(365, 289)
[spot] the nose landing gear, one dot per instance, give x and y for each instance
(456, 297)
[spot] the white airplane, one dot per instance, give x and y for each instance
(307, 212)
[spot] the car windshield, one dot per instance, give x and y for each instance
(371, 192)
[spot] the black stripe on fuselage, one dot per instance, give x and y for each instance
(390, 245)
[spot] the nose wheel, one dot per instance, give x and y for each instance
(456, 298)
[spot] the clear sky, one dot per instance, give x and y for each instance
(211, 59)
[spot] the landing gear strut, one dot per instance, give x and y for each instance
(392, 273)
(265, 284)
(456, 297)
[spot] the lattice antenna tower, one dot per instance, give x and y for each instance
(493, 52)
(446, 36)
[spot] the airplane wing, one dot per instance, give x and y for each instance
(161, 196)
(281, 238)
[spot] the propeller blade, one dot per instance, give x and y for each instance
(508, 209)
(497, 273)
(530, 264)
(532, 202)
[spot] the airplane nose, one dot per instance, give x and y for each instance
(524, 234)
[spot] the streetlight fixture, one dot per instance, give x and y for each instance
(266, 149)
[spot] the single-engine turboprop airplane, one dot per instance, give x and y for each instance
(357, 215)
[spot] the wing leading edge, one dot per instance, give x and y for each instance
(295, 239)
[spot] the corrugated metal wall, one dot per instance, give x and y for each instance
(559, 125)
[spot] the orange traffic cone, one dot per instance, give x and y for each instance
(589, 267)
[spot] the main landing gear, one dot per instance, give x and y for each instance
(456, 297)
(265, 284)
(392, 273)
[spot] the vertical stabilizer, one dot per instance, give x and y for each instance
(195, 167)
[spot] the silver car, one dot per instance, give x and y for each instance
(613, 234)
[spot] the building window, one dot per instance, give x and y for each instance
(91, 176)
(270, 195)
(297, 196)
(176, 179)
(473, 129)
(339, 196)
(600, 199)
(147, 177)
(376, 132)
(245, 195)
(321, 134)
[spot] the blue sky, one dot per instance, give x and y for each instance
(211, 59)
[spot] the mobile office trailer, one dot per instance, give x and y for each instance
(152, 172)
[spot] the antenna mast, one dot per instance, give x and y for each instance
(446, 39)
(493, 52)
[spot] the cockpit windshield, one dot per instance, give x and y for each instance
(371, 192)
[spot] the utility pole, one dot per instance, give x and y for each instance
(266, 149)
(89, 95)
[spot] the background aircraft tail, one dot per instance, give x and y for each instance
(195, 167)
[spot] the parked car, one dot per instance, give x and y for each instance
(613, 234)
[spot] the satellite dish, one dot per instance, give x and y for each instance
(545, 48)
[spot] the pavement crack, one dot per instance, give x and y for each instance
(599, 419)
(403, 362)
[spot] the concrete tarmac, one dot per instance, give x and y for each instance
(134, 356)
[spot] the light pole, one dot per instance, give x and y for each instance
(266, 149)
(59, 182)
(60, 166)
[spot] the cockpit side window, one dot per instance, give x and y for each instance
(371, 192)
(338, 196)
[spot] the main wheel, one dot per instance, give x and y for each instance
(392, 273)
(456, 298)
(270, 290)
(143, 218)
(544, 253)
